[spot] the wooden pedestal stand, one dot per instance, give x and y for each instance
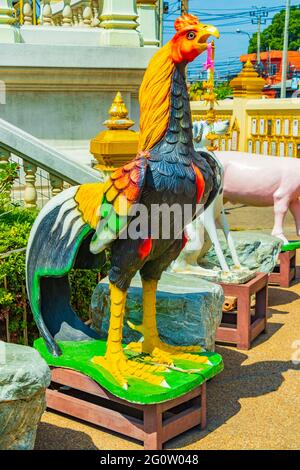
(285, 272)
(77, 395)
(241, 327)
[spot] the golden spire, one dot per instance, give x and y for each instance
(118, 115)
(247, 84)
(248, 70)
(118, 144)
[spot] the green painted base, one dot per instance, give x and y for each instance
(77, 355)
(291, 245)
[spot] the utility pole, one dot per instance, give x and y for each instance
(184, 6)
(269, 62)
(259, 17)
(258, 39)
(161, 19)
(285, 49)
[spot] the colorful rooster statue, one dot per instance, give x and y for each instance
(75, 227)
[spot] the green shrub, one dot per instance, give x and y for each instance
(15, 226)
(8, 173)
(222, 91)
(196, 91)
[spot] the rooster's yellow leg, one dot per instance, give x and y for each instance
(115, 360)
(152, 344)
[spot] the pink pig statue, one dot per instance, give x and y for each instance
(257, 180)
(260, 180)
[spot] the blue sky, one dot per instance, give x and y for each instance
(230, 45)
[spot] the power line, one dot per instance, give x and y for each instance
(223, 18)
(240, 9)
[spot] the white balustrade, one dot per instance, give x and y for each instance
(128, 23)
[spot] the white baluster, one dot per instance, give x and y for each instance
(56, 185)
(87, 16)
(30, 194)
(27, 13)
(67, 14)
(47, 13)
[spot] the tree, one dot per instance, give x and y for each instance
(222, 91)
(272, 36)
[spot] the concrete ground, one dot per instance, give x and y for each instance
(253, 404)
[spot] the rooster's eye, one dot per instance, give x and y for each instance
(191, 35)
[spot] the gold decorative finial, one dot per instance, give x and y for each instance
(210, 98)
(248, 84)
(119, 115)
(117, 145)
(248, 70)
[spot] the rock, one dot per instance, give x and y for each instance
(189, 310)
(24, 375)
(234, 276)
(257, 251)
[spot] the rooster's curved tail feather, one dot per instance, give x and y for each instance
(58, 242)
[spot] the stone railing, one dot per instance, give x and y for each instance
(133, 23)
(43, 171)
(76, 13)
(263, 126)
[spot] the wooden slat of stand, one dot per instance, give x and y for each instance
(241, 328)
(79, 396)
(95, 414)
(285, 273)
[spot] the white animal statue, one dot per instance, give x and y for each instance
(260, 181)
(210, 219)
(202, 128)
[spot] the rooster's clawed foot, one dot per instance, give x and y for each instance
(122, 369)
(162, 353)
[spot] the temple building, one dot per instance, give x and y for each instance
(61, 64)
(271, 69)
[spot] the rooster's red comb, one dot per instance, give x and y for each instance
(185, 21)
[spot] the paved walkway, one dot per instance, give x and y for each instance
(253, 404)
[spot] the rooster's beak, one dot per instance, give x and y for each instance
(207, 31)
